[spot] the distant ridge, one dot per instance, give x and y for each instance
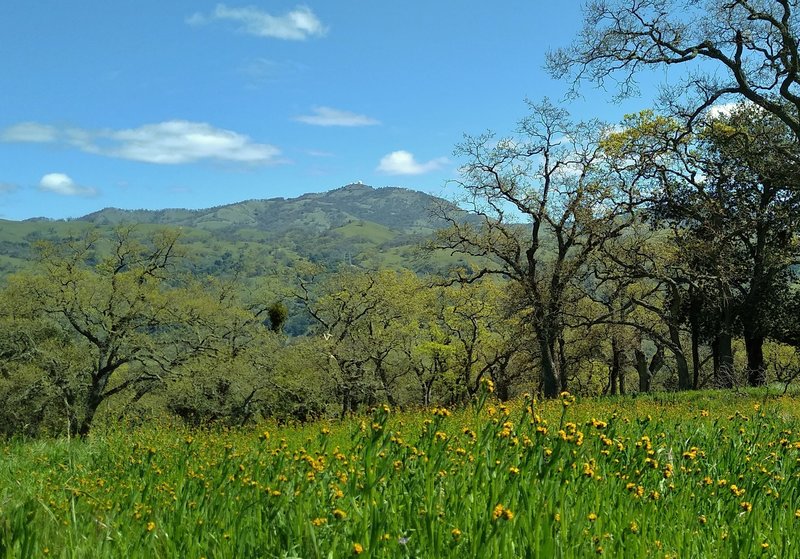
(395, 207)
(356, 223)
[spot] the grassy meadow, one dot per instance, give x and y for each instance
(704, 474)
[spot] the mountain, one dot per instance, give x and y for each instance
(356, 223)
(395, 208)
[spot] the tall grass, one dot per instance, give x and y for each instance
(712, 475)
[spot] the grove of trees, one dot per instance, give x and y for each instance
(665, 246)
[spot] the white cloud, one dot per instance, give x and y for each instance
(29, 132)
(728, 108)
(62, 184)
(180, 141)
(171, 142)
(721, 109)
(80, 138)
(326, 116)
(296, 25)
(403, 163)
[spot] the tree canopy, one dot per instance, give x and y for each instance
(732, 50)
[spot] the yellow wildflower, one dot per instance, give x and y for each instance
(501, 512)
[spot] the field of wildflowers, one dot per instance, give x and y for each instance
(691, 475)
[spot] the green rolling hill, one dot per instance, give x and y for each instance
(354, 224)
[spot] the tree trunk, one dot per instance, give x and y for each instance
(756, 369)
(642, 369)
(695, 357)
(562, 362)
(684, 378)
(647, 372)
(93, 401)
(427, 388)
(502, 383)
(722, 345)
(612, 381)
(85, 424)
(695, 316)
(723, 360)
(501, 390)
(345, 403)
(551, 379)
(385, 382)
(614, 371)
(682, 365)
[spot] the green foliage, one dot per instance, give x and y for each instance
(119, 327)
(277, 313)
(117, 322)
(547, 200)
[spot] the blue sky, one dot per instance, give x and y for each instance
(154, 104)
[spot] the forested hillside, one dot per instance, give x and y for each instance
(354, 224)
(200, 309)
(598, 271)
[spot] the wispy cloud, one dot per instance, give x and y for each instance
(259, 68)
(6, 187)
(296, 25)
(319, 153)
(59, 183)
(29, 132)
(403, 163)
(260, 71)
(327, 116)
(170, 142)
